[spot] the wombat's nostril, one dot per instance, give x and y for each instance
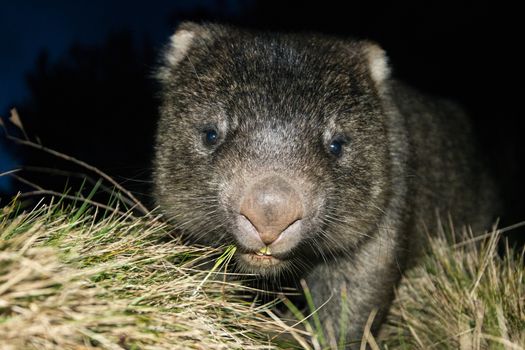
(271, 205)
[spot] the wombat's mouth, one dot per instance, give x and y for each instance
(262, 258)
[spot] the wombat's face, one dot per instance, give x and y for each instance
(276, 144)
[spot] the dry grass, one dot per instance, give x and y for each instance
(464, 295)
(70, 281)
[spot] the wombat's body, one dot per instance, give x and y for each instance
(303, 152)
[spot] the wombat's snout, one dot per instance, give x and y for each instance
(271, 205)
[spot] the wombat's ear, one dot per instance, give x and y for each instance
(377, 64)
(178, 47)
(180, 42)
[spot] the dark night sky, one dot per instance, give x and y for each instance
(458, 50)
(28, 27)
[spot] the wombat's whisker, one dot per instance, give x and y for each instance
(341, 223)
(194, 224)
(326, 236)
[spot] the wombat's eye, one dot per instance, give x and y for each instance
(211, 136)
(336, 146)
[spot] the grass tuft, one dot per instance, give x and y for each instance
(464, 295)
(70, 280)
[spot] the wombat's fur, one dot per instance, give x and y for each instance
(254, 125)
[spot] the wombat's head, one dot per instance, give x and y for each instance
(274, 143)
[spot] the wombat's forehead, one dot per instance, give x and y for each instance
(290, 113)
(277, 94)
(271, 81)
(265, 63)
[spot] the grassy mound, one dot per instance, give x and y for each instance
(70, 281)
(463, 295)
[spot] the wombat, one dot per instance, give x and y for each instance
(302, 151)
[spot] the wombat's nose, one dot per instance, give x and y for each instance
(271, 205)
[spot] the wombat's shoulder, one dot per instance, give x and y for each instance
(448, 175)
